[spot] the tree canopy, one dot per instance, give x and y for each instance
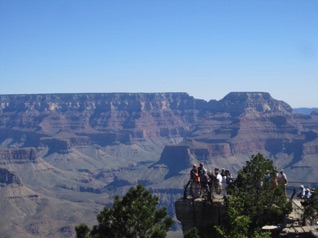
(255, 199)
(135, 215)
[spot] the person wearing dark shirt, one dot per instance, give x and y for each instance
(195, 181)
(203, 179)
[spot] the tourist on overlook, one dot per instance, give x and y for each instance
(201, 168)
(195, 181)
(307, 198)
(228, 179)
(203, 179)
(308, 193)
(282, 180)
(218, 182)
(223, 173)
(302, 192)
(193, 171)
(274, 177)
(224, 185)
(212, 182)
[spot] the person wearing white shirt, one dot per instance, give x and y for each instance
(219, 182)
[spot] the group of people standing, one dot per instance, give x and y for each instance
(280, 179)
(305, 195)
(205, 182)
(277, 179)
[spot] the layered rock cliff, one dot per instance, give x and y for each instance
(78, 150)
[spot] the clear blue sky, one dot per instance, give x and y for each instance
(205, 48)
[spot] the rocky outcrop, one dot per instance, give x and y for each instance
(7, 177)
(201, 214)
(18, 155)
(176, 158)
(62, 146)
(205, 215)
(315, 112)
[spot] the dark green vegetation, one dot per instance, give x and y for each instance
(192, 233)
(254, 200)
(133, 215)
(311, 208)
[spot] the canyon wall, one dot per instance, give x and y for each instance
(68, 154)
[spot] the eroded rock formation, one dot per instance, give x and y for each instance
(7, 177)
(201, 214)
(81, 149)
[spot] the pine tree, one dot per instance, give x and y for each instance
(255, 200)
(135, 215)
